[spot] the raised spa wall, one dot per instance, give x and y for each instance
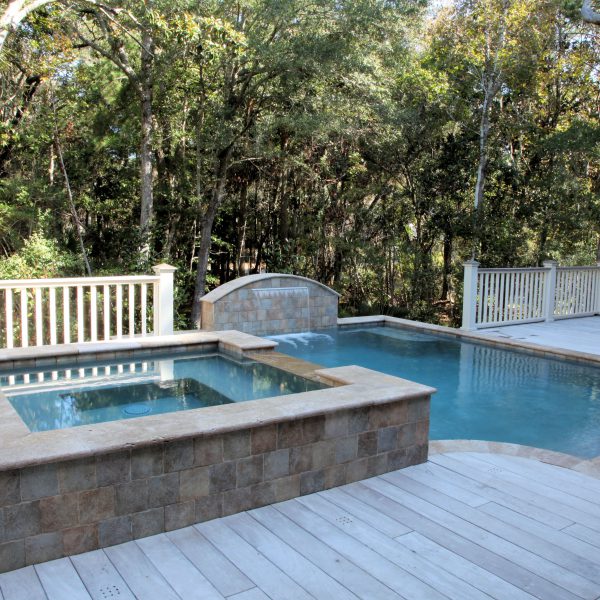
(270, 303)
(64, 492)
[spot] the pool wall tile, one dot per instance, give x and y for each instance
(209, 507)
(222, 477)
(277, 464)
(236, 445)
(22, 520)
(250, 471)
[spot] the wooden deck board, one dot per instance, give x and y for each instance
(465, 526)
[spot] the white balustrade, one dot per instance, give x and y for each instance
(495, 297)
(51, 311)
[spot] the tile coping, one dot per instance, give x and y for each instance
(548, 351)
(589, 467)
(353, 387)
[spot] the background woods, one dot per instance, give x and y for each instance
(370, 144)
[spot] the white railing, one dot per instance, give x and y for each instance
(39, 312)
(495, 297)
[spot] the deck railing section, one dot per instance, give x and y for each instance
(39, 312)
(496, 297)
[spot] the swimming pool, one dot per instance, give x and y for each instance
(84, 394)
(484, 393)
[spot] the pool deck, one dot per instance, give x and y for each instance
(578, 335)
(464, 525)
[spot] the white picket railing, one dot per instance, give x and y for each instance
(495, 297)
(85, 309)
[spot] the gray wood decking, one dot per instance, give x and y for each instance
(464, 525)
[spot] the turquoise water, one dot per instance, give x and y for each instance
(95, 393)
(483, 393)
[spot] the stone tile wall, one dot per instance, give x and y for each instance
(59, 509)
(272, 309)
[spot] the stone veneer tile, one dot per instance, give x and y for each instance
(59, 512)
(77, 475)
(346, 449)
(358, 420)
(406, 435)
(357, 470)
(194, 483)
(12, 555)
(222, 477)
(180, 515)
(418, 410)
(131, 497)
(96, 505)
(290, 433)
(163, 490)
(323, 454)
(336, 425)
(10, 488)
(43, 547)
(147, 462)
(250, 471)
(264, 439)
(387, 439)
(312, 481)
(113, 468)
(287, 488)
(277, 464)
(367, 444)
(235, 501)
(148, 522)
(209, 507)
(115, 531)
(313, 429)
(22, 520)
(335, 476)
(179, 455)
(208, 450)
(301, 458)
(236, 445)
(39, 482)
(80, 539)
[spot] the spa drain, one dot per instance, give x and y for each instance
(110, 591)
(137, 409)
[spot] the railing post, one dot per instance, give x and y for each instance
(549, 289)
(470, 295)
(163, 300)
(598, 288)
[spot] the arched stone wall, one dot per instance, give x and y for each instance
(270, 303)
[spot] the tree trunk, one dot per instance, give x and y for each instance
(447, 265)
(146, 167)
(207, 220)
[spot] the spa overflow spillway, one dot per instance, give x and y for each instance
(484, 393)
(84, 394)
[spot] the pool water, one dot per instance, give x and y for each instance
(108, 391)
(484, 393)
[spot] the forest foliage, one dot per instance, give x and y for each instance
(373, 145)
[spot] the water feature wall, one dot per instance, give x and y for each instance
(270, 303)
